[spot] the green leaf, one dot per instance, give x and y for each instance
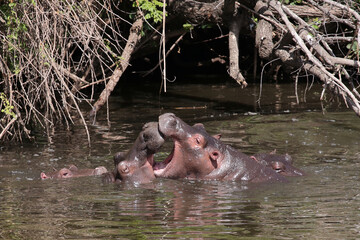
(188, 26)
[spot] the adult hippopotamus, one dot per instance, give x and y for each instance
(282, 164)
(136, 164)
(72, 172)
(198, 155)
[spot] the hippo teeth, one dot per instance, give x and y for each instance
(150, 159)
(159, 172)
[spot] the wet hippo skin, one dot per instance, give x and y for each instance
(282, 164)
(72, 172)
(198, 155)
(136, 165)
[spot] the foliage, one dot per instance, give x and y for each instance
(292, 2)
(51, 52)
(152, 9)
(315, 23)
(15, 29)
(188, 26)
(354, 49)
(6, 107)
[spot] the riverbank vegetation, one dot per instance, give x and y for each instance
(58, 59)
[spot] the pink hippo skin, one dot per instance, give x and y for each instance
(282, 164)
(198, 155)
(72, 172)
(136, 165)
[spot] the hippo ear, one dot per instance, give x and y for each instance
(119, 156)
(217, 136)
(199, 126)
(73, 167)
(149, 124)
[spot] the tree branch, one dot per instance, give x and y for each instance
(134, 37)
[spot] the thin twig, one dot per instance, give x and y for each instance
(163, 44)
(7, 127)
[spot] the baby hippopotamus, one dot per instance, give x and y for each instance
(282, 164)
(72, 172)
(136, 165)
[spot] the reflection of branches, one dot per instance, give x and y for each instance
(66, 46)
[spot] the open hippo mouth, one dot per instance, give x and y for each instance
(160, 167)
(170, 127)
(190, 156)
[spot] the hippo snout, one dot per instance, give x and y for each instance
(168, 124)
(152, 137)
(100, 170)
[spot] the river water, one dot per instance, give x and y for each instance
(323, 141)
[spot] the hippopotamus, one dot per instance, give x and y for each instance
(282, 164)
(72, 172)
(136, 165)
(198, 155)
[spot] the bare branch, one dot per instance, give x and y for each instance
(134, 37)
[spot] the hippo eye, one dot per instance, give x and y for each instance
(199, 139)
(278, 167)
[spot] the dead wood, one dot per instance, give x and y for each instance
(311, 50)
(64, 47)
(50, 51)
(134, 37)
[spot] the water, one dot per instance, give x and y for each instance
(324, 204)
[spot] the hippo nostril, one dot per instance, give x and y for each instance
(124, 169)
(145, 137)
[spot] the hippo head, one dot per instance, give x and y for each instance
(136, 164)
(62, 173)
(73, 171)
(195, 152)
(282, 164)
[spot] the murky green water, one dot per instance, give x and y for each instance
(325, 204)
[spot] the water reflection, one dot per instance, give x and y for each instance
(322, 205)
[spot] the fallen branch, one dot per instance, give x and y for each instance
(235, 24)
(134, 37)
(351, 99)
